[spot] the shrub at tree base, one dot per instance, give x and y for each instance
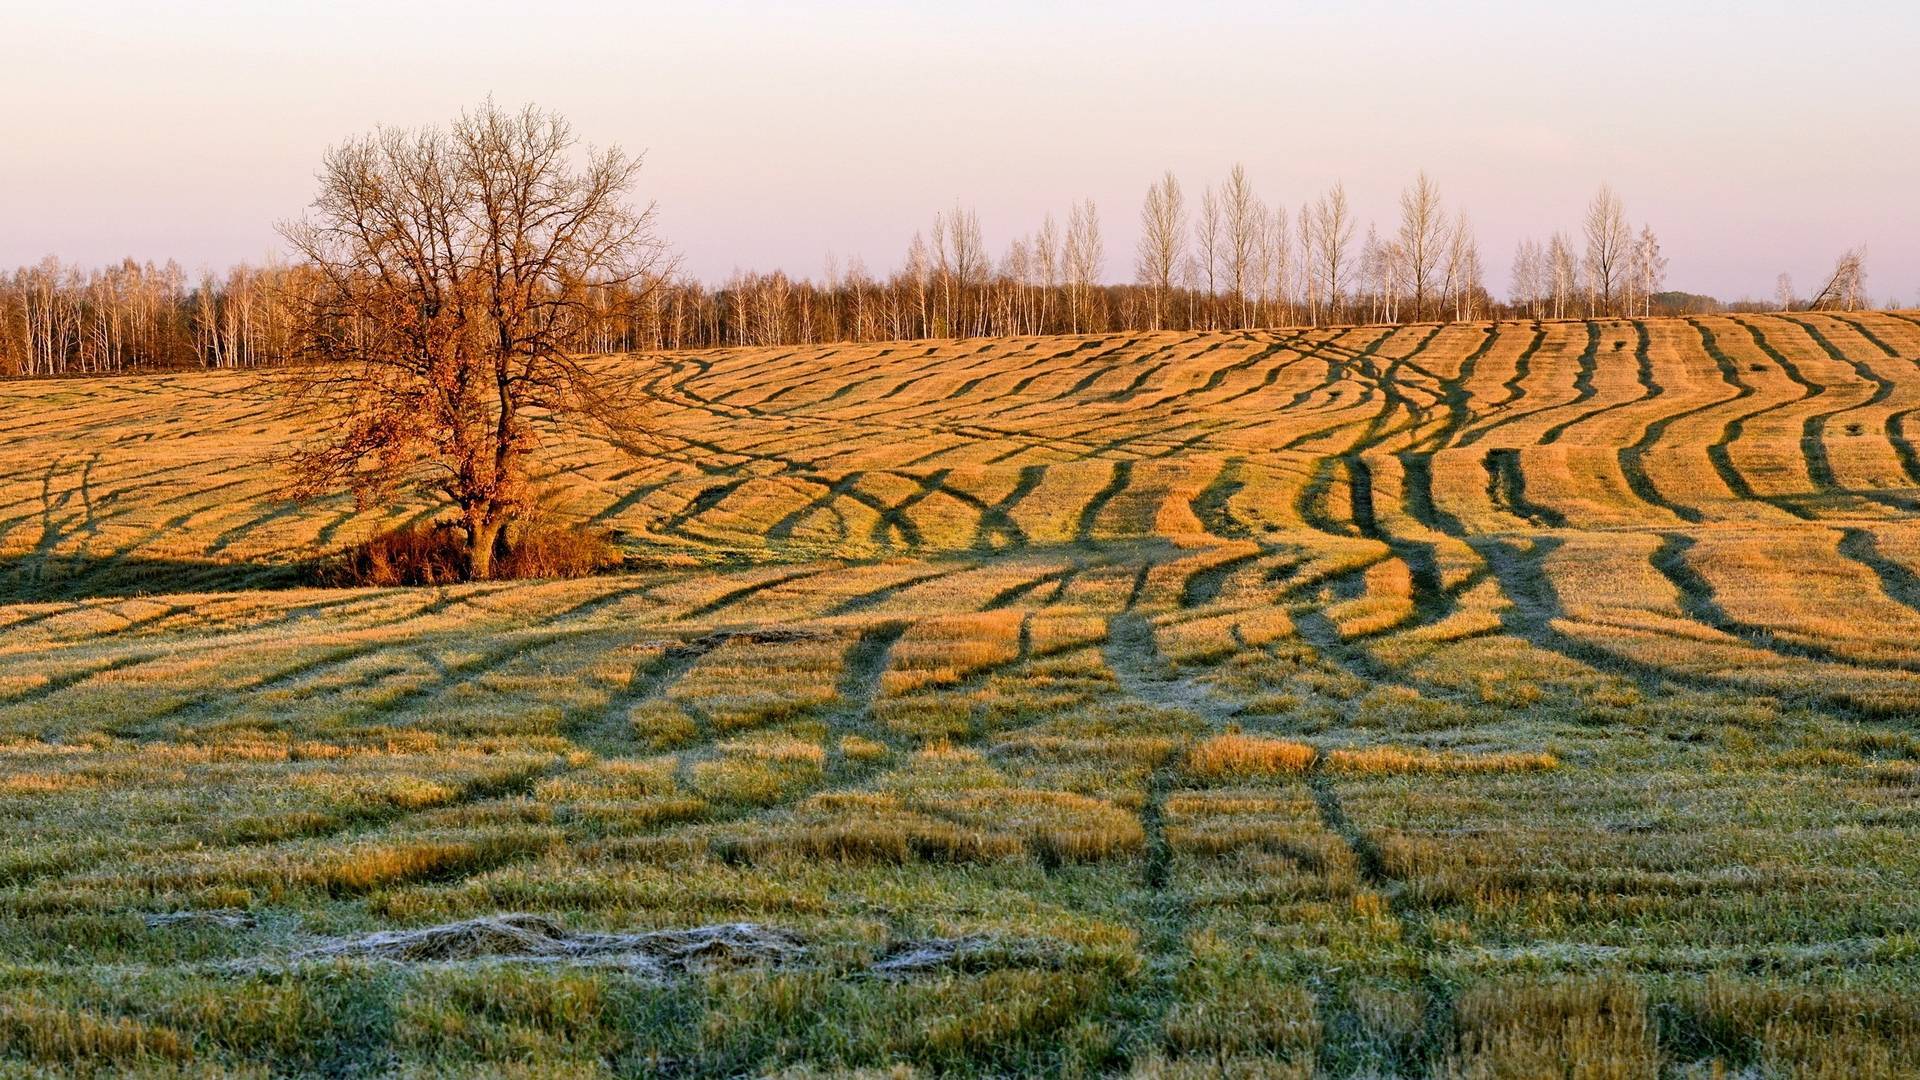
(540, 550)
(436, 554)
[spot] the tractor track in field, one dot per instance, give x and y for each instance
(1224, 429)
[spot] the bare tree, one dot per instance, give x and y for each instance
(1245, 221)
(1086, 254)
(1609, 243)
(1846, 287)
(1381, 268)
(1530, 277)
(1423, 232)
(1163, 241)
(1276, 262)
(1783, 291)
(454, 265)
(1649, 268)
(1046, 256)
(941, 266)
(969, 269)
(1327, 230)
(1016, 285)
(1564, 273)
(919, 275)
(1462, 281)
(1211, 246)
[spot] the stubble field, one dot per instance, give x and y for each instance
(1454, 700)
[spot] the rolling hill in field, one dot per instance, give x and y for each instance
(1453, 700)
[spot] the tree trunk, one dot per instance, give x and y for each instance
(481, 537)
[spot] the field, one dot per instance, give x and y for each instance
(1473, 700)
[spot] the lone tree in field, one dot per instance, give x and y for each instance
(458, 266)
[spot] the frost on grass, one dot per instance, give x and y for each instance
(218, 918)
(536, 939)
(971, 953)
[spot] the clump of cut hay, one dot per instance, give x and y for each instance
(1393, 759)
(540, 940)
(856, 748)
(1232, 755)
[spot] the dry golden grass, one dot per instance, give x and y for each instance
(1353, 702)
(1227, 757)
(941, 652)
(1576, 1028)
(65, 1037)
(1393, 759)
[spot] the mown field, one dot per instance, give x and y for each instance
(1501, 700)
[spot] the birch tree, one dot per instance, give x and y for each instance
(1564, 274)
(1649, 268)
(1609, 249)
(1085, 256)
(1212, 246)
(1245, 218)
(1277, 269)
(970, 269)
(1846, 287)
(1462, 280)
(1163, 241)
(1046, 262)
(1529, 277)
(1422, 240)
(919, 276)
(1328, 232)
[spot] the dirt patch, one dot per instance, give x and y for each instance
(539, 940)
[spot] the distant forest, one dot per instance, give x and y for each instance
(1225, 261)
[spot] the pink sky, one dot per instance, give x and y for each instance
(1753, 137)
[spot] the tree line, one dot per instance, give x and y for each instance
(1226, 260)
(60, 319)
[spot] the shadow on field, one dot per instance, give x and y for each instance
(37, 578)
